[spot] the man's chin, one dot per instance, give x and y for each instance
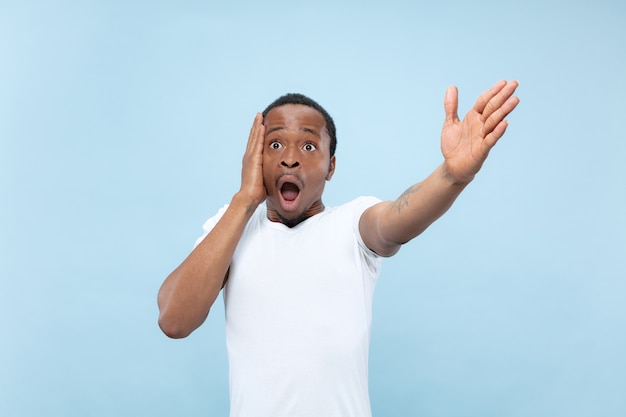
(290, 219)
(288, 212)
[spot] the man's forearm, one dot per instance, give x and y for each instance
(419, 206)
(188, 293)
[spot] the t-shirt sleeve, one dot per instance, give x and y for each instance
(210, 224)
(360, 205)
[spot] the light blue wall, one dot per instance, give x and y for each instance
(122, 126)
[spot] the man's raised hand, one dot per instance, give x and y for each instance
(252, 165)
(466, 143)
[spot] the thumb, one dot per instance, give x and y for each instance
(451, 104)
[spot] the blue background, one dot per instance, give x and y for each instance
(122, 127)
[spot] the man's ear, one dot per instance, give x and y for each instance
(331, 168)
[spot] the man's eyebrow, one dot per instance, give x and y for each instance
(309, 130)
(302, 129)
(274, 129)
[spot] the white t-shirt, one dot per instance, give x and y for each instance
(298, 315)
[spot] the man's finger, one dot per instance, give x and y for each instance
(254, 131)
(451, 104)
(486, 97)
(492, 138)
(500, 113)
(497, 101)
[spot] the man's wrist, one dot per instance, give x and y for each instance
(453, 179)
(242, 200)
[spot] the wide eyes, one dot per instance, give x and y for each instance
(308, 147)
(276, 145)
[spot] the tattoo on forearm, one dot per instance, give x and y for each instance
(403, 200)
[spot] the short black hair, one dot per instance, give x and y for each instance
(295, 98)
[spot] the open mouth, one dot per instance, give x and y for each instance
(289, 187)
(289, 191)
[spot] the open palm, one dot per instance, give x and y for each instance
(466, 143)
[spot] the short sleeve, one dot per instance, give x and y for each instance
(210, 224)
(360, 205)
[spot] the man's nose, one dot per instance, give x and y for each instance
(290, 159)
(290, 163)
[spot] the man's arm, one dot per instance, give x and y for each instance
(465, 145)
(188, 293)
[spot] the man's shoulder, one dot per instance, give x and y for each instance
(359, 204)
(350, 212)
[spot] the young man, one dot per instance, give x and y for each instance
(298, 278)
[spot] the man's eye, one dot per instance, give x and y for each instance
(275, 145)
(309, 147)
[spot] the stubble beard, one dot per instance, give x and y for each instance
(294, 221)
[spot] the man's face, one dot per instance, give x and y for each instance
(296, 162)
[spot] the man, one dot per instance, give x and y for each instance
(298, 278)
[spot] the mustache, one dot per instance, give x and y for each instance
(298, 180)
